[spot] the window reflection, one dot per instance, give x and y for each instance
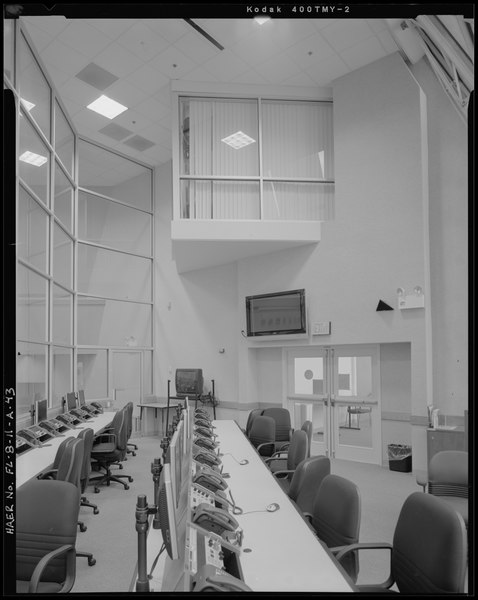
(63, 198)
(62, 315)
(62, 382)
(92, 369)
(64, 139)
(31, 305)
(33, 161)
(62, 257)
(34, 89)
(8, 49)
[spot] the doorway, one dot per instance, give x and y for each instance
(338, 389)
(127, 377)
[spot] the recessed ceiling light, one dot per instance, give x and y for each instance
(238, 140)
(28, 105)
(33, 159)
(107, 107)
(261, 20)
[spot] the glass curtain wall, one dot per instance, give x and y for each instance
(256, 159)
(84, 246)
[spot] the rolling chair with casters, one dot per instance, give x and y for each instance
(108, 449)
(335, 518)
(262, 435)
(87, 435)
(46, 518)
(284, 429)
(428, 552)
(306, 481)
(307, 427)
(284, 464)
(448, 479)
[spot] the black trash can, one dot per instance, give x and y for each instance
(400, 458)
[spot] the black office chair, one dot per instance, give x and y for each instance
(283, 464)
(262, 435)
(130, 447)
(307, 427)
(335, 518)
(284, 429)
(109, 448)
(428, 553)
(306, 481)
(87, 435)
(46, 518)
(448, 478)
(256, 412)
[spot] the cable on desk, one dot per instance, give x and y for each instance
(153, 566)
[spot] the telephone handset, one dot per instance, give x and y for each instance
(30, 437)
(205, 456)
(213, 579)
(203, 423)
(214, 519)
(206, 432)
(81, 414)
(97, 405)
(88, 409)
(205, 442)
(210, 480)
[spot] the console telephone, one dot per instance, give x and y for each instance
(22, 441)
(205, 456)
(68, 420)
(203, 423)
(211, 578)
(53, 426)
(32, 435)
(80, 413)
(214, 519)
(210, 480)
(96, 407)
(205, 442)
(204, 431)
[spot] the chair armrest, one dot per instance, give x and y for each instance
(48, 474)
(70, 568)
(280, 474)
(341, 551)
(422, 479)
(264, 444)
(284, 447)
(104, 438)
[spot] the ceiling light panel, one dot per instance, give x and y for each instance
(96, 76)
(37, 160)
(107, 107)
(238, 140)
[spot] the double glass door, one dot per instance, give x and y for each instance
(337, 388)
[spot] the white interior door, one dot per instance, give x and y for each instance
(337, 388)
(126, 377)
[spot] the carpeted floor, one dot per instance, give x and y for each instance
(112, 538)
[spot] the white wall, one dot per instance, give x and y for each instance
(195, 313)
(448, 182)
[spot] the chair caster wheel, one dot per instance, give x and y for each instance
(126, 487)
(97, 490)
(120, 466)
(91, 562)
(83, 527)
(96, 511)
(130, 479)
(134, 453)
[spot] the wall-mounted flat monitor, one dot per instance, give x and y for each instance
(70, 401)
(278, 313)
(41, 410)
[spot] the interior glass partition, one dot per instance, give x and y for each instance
(98, 217)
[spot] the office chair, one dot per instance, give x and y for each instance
(306, 480)
(252, 415)
(87, 435)
(335, 517)
(428, 552)
(262, 435)
(130, 447)
(448, 479)
(307, 427)
(46, 517)
(283, 425)
(109, 448)
(283, 464)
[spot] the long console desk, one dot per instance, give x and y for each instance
(279, 551)
(36, 460)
